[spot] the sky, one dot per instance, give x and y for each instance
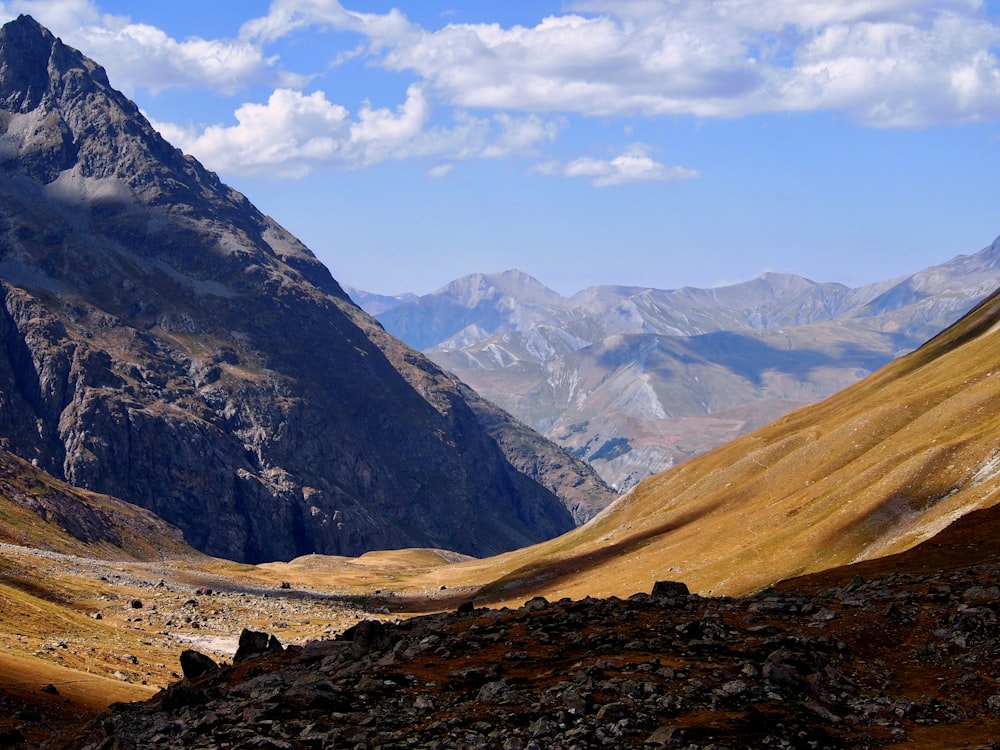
(661, 143)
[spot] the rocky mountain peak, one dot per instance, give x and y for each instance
(26, 48)
(62, 105)
(165, 342)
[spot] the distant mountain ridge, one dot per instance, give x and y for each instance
(166, 343)
(637, 379)
(374, 304)
(876, 469)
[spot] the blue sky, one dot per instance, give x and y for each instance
(664, 143)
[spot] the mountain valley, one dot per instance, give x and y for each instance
(585, 640)
(237, 512)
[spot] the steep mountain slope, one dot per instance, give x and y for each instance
(636, 380)
(166, 343)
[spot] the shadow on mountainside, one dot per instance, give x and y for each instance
(528, 579)
(750, 358)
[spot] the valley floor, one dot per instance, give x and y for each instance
(899, 660)
(897, 651)
(78, 634)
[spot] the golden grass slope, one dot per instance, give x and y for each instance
(871, 471)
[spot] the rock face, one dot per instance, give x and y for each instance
(166, 343)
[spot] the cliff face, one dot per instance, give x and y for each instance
(165, 342)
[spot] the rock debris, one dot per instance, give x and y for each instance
(898, 659)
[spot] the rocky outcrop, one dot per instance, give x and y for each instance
(870, 663)
(165, 342)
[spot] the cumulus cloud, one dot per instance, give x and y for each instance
(283, 136)
(489, 91)
(139, 55)
(896, 74)
(634, 165)
(296, 133)
(884, 62)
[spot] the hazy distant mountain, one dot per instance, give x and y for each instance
(375, 304)
(474, 308)
(636, 379)
(166, 343)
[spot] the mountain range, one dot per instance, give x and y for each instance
(166, 343)
(636, 380)
(178, 370)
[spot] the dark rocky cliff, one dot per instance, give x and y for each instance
(163, 341)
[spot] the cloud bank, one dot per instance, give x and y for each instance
(486, 91)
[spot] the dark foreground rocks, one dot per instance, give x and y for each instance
(906, 661)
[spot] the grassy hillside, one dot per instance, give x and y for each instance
(39, 511)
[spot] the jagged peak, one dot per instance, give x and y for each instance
(39, 74)
(76, 124)
(31, 58)
(28, 31)
(25, 49)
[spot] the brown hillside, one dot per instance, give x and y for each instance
(972, 540)
(41, 512)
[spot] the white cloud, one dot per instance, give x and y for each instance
(53, 14)
(284, 137)
(295, 133)
(486, 91)
(286, 16)
(138, 55)
(894, 74)
(520, 135)
(634, 165)
(440, 170)
(883, 62)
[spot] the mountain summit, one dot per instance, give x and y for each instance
(166, 343)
